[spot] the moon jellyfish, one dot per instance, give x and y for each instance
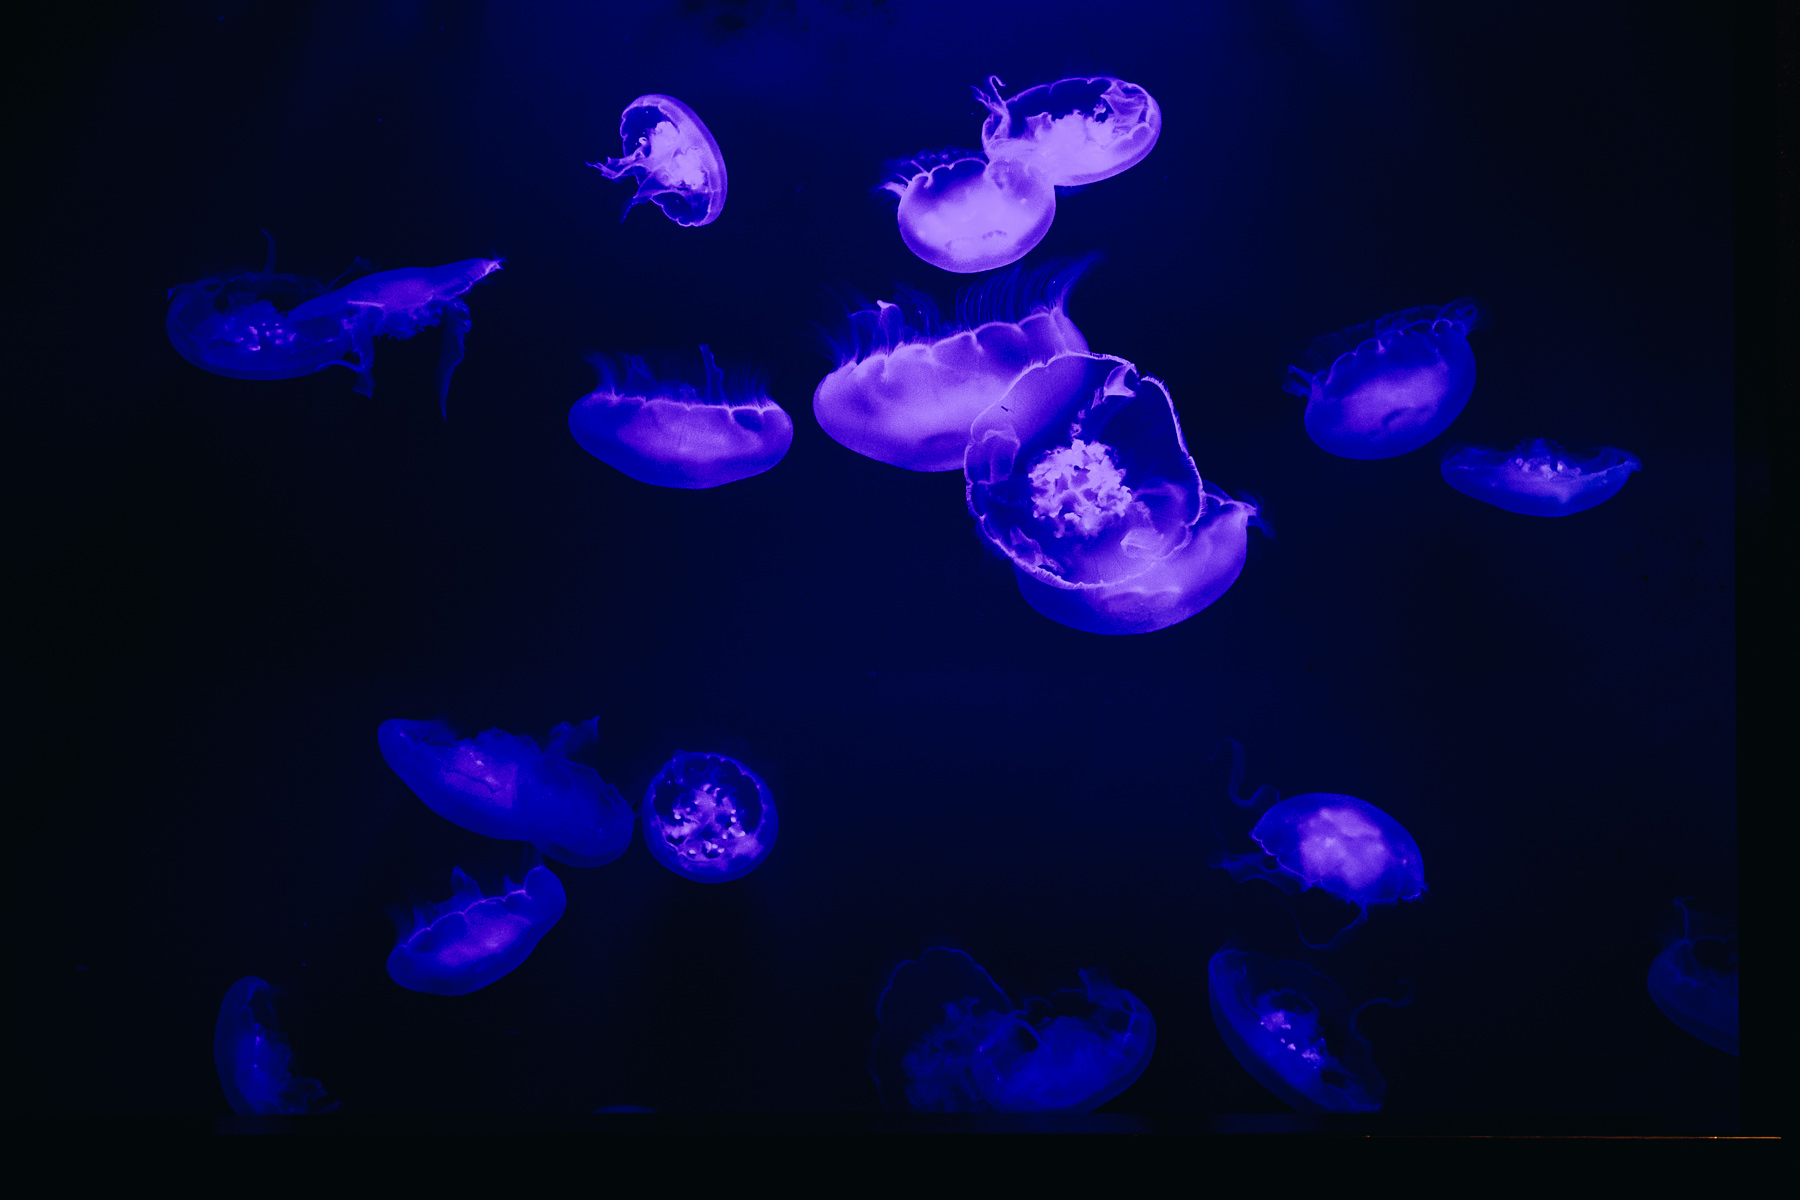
(906, 390)
(1075, 131)
(1695, 983)
(708, 817)
(1343, 845)
(253, 1057)
(1539, 478)
(675, 435)
(1294, 1030)
(470, 940)
(966, 212)
(502, 786)
(673, 156)
(951, 1041)
(1390, 386)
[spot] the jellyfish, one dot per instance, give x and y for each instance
(1075, 131)
(502, 786)
(905, 392)
(1539, 478)
(965, 212)
(709, 817)
(952, 1041)
(1294, 1030)
(470, 940)
(1343, 845)
(672, 435)
(1389, 387)
(674, 158)
(1695, 983)
(253, 1057)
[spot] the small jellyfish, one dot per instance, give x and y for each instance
(1075, 131)
(672, 154)
(708, 817)
(502, 786)
(1695, 983)
(1539, 478)
(964, 212)
(1389, 387)
(952, 1041)
(470, 940)
(905, 392)
(253, 1057)
(1345, 846)
(1294, 1030)
(672, 435)
(1080, 474)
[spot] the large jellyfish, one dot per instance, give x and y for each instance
(1075, 131)
(965, 212)
(1695, 983)
(708, 817)
(1345, 846)
(268, 326)
(470, 940)
(1539, 478)
(1294, 1030)
(1390, 386)
(674, 158)
(673, 434)
(951, 1041)
(253, 1057)
(502, 786)
(905, 392)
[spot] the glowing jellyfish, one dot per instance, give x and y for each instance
(1695, 983)
(673, 156)
(964, 212)
(1294, 1030)
(470, 940)
(502, 786)
(1345, 846)
(905, 392)
(952, 1041)
(1539, 478)
(1390, 386)
(253, 1057)
(708, 817)
(1075, 131)
(674, 435)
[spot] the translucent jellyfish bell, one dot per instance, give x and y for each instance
(673, 156)
(1695, 983)
(1389, 387)
(673, 434)
(1539, 478)
(709, 817)
(470, 940)
(253, 1057)
(963, 212)
(1075, 131)
(905, 392)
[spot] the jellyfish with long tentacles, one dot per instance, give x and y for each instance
(1074, 131)
(964, 212)
(464, 943)
(709, 818)
(1694, 981)
(1539, 478)
(254, 1059)
(672, 155)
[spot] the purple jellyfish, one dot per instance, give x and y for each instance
(252, 1056)
(1539, 478)
(905, 393)
(1695, 983)
(674, 158)
(470, 940)
(709, 818)
(1074, 131)
(963, 212)
(673, 435)
(1389, 387)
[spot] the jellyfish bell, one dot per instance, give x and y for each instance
(1694, 981)
(672, 434)
(933, 1013)
(964, 212)
(709, 818)
(253, 1056)
(671, 153)
(1389, 387)
(468, 941)
(1539, 478)
(1075, 131)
